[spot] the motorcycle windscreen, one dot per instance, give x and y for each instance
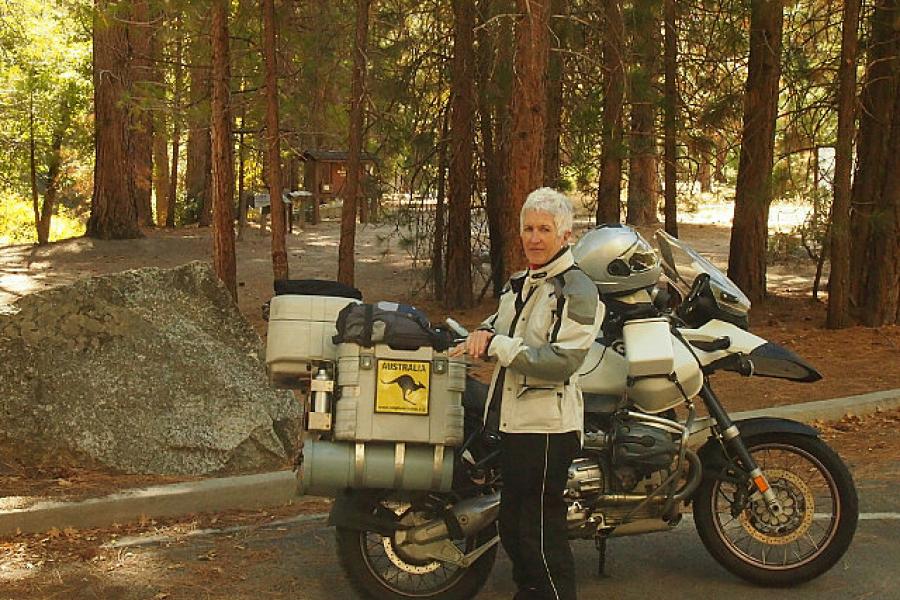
(772, 360)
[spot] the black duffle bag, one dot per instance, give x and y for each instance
(311, 287)
(316, 287)
(400, 326)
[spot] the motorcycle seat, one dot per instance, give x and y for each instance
(603, 404)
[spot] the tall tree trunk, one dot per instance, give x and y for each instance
(609, 188)
(113, 214)
(559, 41)
(883, 300)
(749, 232)
(703, 152)
(161, 168)
(176, 124)
(351, 186)
(493, 108)
(54, 168)
(462, 146)
(273, 147)
(199, 167)
(160, 130)
(643, 181)
(721, 150)
(32, 161)
(140, 139)
(839, 279)
(242, 160)
(671, 118)
(438, 247)
(871, 215)
(222, 151)
(528, 114)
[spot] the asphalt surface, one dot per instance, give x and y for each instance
(674, 564)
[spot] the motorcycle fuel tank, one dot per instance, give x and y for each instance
(605, 372)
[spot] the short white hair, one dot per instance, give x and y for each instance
(550, 201)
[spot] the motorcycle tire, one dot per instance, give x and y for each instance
(354, 548)
(819, 501)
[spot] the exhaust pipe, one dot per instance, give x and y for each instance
(465, 519)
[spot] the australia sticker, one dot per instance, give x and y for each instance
(402, 387)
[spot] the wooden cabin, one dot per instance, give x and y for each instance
(325, 173)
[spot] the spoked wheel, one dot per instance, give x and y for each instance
(379, 568)
(814, 529)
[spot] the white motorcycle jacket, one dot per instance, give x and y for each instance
(545, 323)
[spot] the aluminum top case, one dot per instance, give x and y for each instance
(300, 332)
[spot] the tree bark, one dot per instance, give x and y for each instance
(351, 186)
(199, 167)
(113, 214)
(871, 216)
(493, 106)
(140, 139)
(32, 161)
(273, 147)
(839, 278)
(643, 181)
(528, 114)
(609, 188)
(160, 131)
(462, 145)
(176, 124)
(559, 40)
(438, 247)
(222, 151)
(747, 254)
(883, 299)
(54, 168)
(671, 119)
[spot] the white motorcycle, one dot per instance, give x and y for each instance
(771, 501)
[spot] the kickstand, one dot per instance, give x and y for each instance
(600, 543)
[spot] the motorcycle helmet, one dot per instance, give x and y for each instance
(618, 259)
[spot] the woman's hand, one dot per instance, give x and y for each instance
(475, 345)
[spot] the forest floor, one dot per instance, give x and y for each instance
(853, 361)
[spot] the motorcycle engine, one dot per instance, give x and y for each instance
(642, 447)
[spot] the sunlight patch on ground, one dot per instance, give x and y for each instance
(783, 216)
(18, 284)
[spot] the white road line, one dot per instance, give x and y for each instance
(875, 516)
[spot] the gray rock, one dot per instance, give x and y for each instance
(146, 371)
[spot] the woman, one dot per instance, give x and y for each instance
(547, 319)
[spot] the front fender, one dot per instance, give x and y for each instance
(713, 458)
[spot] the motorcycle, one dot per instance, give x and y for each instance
(772, 503)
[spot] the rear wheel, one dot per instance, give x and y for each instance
(814, 529)
(380, 569)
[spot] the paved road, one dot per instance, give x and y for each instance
(304, 566)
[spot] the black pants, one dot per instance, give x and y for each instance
(533, 513)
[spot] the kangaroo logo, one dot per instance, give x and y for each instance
(407, 386)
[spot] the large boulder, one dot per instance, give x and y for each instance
(145, 371)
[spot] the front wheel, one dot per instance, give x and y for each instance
(380, 570)
(815, 528)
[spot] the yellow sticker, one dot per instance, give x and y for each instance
(402, 386)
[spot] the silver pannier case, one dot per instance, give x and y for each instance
(384, 402)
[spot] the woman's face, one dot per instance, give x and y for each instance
(540, 238)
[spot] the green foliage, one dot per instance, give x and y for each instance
(17, 222)
(45, 89)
